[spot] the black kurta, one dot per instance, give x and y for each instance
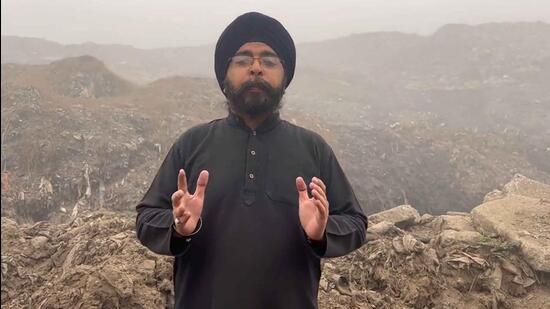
(251, 251)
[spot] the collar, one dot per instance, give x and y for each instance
(267, 125)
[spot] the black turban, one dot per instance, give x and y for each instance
(254, 27)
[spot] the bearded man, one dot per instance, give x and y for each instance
(250, 203)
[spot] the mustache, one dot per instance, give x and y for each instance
(256, 83)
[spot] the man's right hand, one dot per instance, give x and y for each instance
(187, 208)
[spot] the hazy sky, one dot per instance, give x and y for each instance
(164, 23)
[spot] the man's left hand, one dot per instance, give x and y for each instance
(313, 210)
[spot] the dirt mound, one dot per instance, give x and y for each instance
(92, 262)
(429, 267)
(411, 261)
(86, 77)
(79, 77)
(62, 153)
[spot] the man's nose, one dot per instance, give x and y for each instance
(256, 67)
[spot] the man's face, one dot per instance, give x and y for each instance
(255, 88)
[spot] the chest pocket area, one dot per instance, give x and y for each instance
(282, 169)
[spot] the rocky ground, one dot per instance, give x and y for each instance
(482, 259)
(456, 260)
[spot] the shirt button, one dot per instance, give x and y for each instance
(251, 176)
(252, 152)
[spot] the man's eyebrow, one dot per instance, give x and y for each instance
(268, 53)
(249, 53)
(243, 53)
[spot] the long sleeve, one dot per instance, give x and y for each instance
(154, 219)
(347, 222)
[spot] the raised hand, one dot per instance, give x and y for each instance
(187, 208)
(313, 211)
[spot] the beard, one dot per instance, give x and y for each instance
(254, 103)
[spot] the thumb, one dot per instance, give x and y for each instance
(302, 189)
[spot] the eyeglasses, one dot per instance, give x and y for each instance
(246, 61)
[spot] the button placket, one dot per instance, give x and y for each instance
(250, 187)
(251, 161)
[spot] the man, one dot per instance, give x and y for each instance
(269, 198)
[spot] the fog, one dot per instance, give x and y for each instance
(149, 24)
(436, 111)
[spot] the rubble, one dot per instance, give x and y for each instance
(521, 215)
(520, 219)
(453, 222)
(449, 237)
(401, 216)
(441, 262)
(521, 185)
(95, 261)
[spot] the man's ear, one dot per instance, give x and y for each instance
(224, 86)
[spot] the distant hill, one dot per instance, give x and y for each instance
(137, 65)
(494, 68)
(453, 47)
(82, 76)
(489, 67)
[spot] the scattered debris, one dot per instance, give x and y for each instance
(95, 260)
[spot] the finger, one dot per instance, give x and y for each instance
(179, 211)
(184, 218)
(202, 181)
(320, 197)
(319, 182)
(302, 189)
(322, 208)
(182, 181)
(315, 186)
(176, 197)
